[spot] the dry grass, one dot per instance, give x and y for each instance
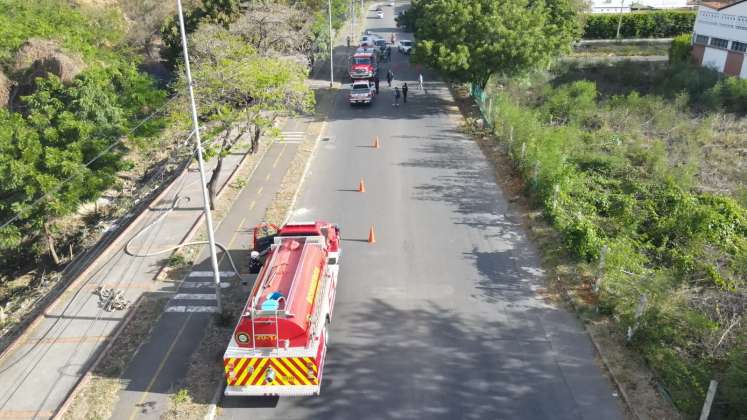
(569, 283)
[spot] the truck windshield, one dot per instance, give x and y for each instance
(362, 60)
(406, 43)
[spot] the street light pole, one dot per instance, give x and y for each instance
(200, 163)
(352, 22)
(331, 54)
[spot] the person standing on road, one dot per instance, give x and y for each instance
(396, 97)
(376, 83)
(389, 77)
(404, 93)
(348, 41)
(420, 80)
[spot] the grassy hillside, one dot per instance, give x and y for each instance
(89, 32)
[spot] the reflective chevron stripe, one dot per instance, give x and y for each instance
(252, 371)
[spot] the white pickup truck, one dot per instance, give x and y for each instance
(362, 92)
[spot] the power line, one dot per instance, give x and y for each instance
(94, 159)
(111, 147)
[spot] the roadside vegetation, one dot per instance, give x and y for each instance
(641, 170)
(70, 100)
(93, 112)
(648, 24)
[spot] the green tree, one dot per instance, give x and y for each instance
(241, 92)
(64, 149)
(468, 40)
(220, 12)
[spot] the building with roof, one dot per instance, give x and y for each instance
(720, 37)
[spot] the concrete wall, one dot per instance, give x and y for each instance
(726, 24)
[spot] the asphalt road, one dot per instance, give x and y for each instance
(440, 318)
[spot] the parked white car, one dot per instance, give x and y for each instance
(368, 40)
(405, 46)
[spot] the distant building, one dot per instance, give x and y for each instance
(720, 37)
(614, 6)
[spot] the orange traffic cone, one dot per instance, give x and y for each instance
(371, 236)
(376, 144)
(361, 186)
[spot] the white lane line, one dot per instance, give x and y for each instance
(210, 274)
(192, 309)
(203, 285)
(194, 296)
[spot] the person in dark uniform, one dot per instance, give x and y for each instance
(404, 92)
(376, 83)
(389, 77)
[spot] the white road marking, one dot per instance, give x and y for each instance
(195, 296)
(210, 274)
(193, 309)
(292, 137)
(203, 285)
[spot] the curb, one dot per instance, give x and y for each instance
(60, 412)
(116, 241)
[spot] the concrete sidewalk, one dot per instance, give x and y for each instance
(49, 359)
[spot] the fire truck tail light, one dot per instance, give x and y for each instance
(242, 337)
(310, 371)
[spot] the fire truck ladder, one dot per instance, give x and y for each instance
(260, 292)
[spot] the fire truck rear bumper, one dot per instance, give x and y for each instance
(273, 390)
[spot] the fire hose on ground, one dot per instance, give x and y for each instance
(174, 205)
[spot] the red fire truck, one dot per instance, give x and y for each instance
(280, 342)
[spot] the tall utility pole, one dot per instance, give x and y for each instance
(331, 53)
(352, 22)
(200, 163)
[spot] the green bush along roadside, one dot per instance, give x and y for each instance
(659, 24)
(610, 174)
(63, 144)
(679, 50)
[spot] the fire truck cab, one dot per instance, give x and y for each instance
(280, 342)
(363, 65)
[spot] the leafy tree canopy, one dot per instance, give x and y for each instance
(45, 151)
(240, 91)
(468, 40)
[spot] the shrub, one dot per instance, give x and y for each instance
(659, 24)
(602, 169)
(679, 51)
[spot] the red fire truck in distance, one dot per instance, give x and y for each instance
(280, 342)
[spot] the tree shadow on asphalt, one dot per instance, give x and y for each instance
(430, 363)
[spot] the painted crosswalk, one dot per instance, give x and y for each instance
(196, 293)
(292, 136)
